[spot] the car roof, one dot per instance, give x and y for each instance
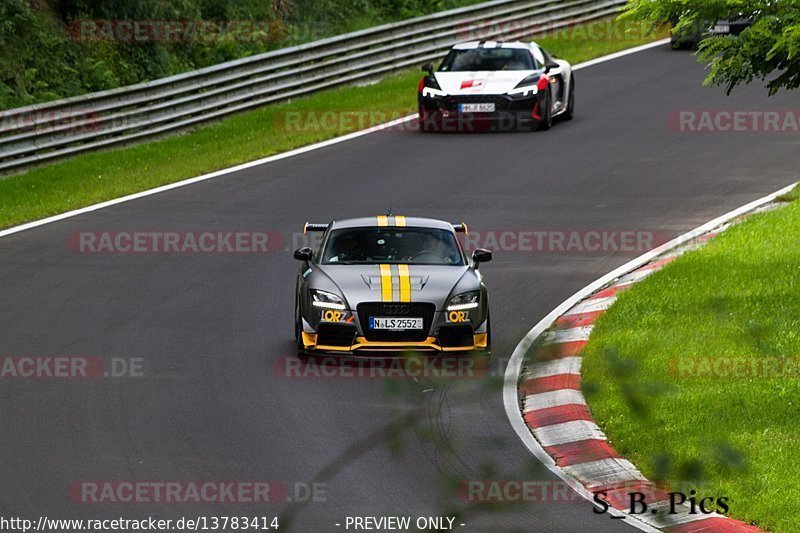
(471, 45)
(391, 221)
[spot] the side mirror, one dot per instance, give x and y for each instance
(303, 254)
(550, 66)
(481, 256)
(428, 67)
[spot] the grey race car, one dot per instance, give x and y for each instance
(390, 283)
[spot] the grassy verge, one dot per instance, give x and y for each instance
(96, 177)
(693, 374)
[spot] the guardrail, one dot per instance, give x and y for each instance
(45, 132)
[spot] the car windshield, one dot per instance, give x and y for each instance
(421, 246)
(475, 59)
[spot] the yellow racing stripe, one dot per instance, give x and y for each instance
(405, 283)
(400, 221)
(386, 283)
(383, 220)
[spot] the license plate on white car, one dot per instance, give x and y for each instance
(394, 324)
(476, 108)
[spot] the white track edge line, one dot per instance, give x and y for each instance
(621, 53)
(204, 177)
(276, 157)
(514, 367)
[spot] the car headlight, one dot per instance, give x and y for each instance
(468, 300)
(431, 92)
(429, 88)
(524, 91)
(326, 300)
(529, 86)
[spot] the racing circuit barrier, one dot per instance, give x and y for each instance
(44, 132)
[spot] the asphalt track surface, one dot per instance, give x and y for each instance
(210, 327)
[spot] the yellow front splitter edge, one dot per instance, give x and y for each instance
(310, 342)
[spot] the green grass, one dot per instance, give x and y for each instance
(100, 176)
(684, 424)
(790, 196)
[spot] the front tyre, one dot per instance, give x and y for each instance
(424, 121)
(301, 352)
(488, 349)
(570, 113)
(298, 331)
(546, 121)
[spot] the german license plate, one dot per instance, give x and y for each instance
(476, 108)
(394, 324)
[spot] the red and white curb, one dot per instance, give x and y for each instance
(545, 405)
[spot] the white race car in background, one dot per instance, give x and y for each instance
(496, 85)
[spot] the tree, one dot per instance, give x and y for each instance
(769, 50)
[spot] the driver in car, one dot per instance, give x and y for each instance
(349, 249)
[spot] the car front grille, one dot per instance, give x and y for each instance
(399, 310)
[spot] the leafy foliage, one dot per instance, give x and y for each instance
(769, 50)
(43, 54)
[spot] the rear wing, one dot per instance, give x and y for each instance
(459, 228)
(314, 227)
